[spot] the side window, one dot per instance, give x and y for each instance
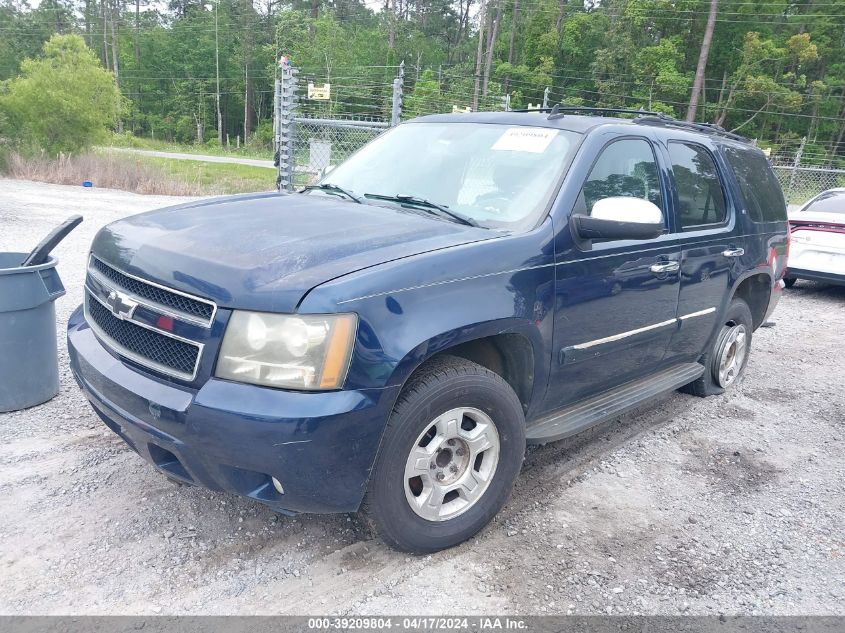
(700, 196)
(624, 168)
(760, 188)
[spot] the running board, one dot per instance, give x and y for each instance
(610, 404)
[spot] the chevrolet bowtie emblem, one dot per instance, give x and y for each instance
(121, 305)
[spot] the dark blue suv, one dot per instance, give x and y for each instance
(390, 338)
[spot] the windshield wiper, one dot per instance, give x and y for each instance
(427, 205)
(330, 188)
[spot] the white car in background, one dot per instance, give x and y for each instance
(817, 251)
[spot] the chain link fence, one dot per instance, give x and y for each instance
(309, 139)
(319, 144)
(802, 183)
(307, 146)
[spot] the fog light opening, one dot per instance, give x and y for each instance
(278, 486)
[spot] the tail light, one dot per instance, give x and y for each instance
(788, 242)
(827, 227)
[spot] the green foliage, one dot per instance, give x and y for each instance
(776, 70)
(262, 138)
(426, 97)
(63, 101)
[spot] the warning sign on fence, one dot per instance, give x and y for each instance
(319, 93)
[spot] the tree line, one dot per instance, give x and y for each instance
(203, 71)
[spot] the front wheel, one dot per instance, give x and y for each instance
(789, 281)
(450, 455)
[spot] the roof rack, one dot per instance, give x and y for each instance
(644, 117)
(707, 128)
(558, 111)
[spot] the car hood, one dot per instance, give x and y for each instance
(265, 252)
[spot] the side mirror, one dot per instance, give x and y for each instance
(326, 170)
(620, 218)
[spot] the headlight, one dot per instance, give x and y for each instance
(289, 351)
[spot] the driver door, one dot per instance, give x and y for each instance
(615, 300)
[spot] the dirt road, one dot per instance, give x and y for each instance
(731, 504)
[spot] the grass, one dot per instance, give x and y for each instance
(210, 149)
(214, 178)
(142, 174)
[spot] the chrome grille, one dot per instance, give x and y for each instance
(154, 326)
(144, 345)
(190, 306)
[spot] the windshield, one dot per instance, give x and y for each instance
(497, 176)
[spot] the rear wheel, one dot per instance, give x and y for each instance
(727, 357)
(451, 452)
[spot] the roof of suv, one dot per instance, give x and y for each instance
(573, 121)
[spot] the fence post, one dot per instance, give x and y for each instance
(276, 116)
(546, 98)
(398, 86)
(796, 163)
(284, 124)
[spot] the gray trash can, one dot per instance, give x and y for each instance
(29, 364)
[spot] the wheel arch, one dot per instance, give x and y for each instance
(755, 288)
(511, 352)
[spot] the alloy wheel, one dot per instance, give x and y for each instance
(732, 352)
(451, 464)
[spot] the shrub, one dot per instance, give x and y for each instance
(63, 101)
(262, 138)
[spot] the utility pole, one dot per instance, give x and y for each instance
(114, 58)
(217, 71)
(247, 26)
(247, 104)
(104, 14)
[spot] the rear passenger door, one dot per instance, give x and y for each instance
(710, 240)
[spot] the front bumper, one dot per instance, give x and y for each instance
(236, 437)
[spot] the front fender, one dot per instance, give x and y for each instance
(414, 308)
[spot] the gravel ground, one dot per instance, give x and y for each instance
(731, 504)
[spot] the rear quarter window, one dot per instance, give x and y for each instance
(760, 188)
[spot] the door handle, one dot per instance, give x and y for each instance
(734, 252)
(667, 267)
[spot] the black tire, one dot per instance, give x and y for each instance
(738, 313)
(443, 384)
(789, 281)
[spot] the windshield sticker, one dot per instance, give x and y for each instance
(525, 139)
